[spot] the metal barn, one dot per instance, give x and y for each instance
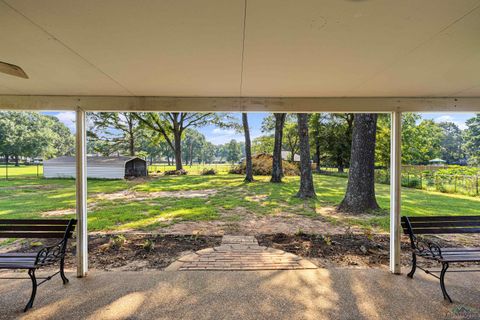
(97, 167)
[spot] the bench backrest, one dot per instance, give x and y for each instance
(440, 225)
(37, 228)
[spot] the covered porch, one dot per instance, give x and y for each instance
(243, 56)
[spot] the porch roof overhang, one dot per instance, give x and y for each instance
(217, 55)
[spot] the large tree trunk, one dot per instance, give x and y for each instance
(360, 195)
(277, 171)
(17, 163)
(307, 189)
(248, 150)
(178, 150)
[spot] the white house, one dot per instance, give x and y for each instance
(97, 167)
(287, 156)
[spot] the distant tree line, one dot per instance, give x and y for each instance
(33, 135)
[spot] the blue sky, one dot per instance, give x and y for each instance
(220, 136)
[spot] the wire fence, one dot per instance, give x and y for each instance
(195, 169)
(446, 183)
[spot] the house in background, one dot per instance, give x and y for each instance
(287, 156)
(97, 167)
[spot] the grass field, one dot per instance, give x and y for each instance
(32, 198)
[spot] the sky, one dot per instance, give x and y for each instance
(220, 136)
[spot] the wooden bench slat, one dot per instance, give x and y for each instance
(456, 258)
(37, 221)
(444, 224)
(58, 228)
(460, 249)
(18, 254)
(443, 218)
(443, 231)
(50, 235)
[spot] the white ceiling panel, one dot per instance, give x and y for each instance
(293, 48)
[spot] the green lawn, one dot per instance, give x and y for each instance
(28, 198)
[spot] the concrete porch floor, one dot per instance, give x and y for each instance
(287, 294)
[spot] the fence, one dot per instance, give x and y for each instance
(447, 183)
(156, 169)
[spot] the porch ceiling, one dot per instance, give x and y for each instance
(296, 48)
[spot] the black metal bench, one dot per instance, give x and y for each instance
(427, 249)
(48, 255)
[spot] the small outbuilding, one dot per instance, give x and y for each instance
(97, 167)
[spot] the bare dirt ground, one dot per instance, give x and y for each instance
(242, 222)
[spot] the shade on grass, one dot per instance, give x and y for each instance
(29, 198)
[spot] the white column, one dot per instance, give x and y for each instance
(81, 192)
(395, 191)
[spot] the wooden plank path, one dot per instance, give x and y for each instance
(240, 253)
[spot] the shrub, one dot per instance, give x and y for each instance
(208, 172)
(262, 166)
(117, 241)
(148, 245)
(180, 172)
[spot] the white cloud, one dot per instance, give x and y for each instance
(67, 118)
(224, 132)
(447, 118)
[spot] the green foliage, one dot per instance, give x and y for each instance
(263, 144)
(234, 151)
(458, 170)
(472, 140)
(30, 134)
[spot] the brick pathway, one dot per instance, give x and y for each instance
(240, 253)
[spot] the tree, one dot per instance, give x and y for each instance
(263, 144)
(234, 151)
(171, 125)
(307, 189)
(122, 128)
(472, 140)
(360, 195)
(277, 171)
(421, 140)
(316, 131)
(451, 143)
(248, 149)
(30, 134)
(291, 138)
(192, 145)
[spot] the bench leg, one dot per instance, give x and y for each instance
(31, 273)
(414, 265)
(62, 273)
(442, 282)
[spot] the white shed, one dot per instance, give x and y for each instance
(97, 167)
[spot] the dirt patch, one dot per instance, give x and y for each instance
(136, 196)
(240, 221)
(133, 195)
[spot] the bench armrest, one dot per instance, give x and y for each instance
(427, 249)
(51, 254)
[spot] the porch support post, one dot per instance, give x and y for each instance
(81, 192)
(395, 190)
